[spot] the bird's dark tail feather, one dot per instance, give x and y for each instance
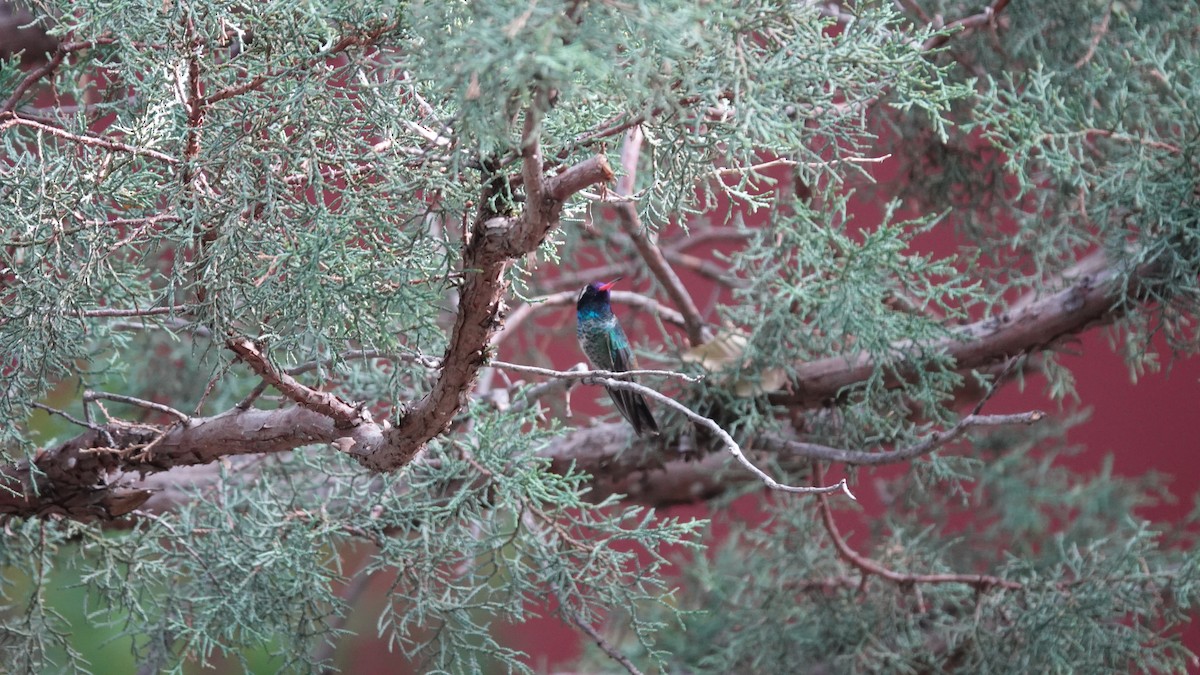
(633, 407)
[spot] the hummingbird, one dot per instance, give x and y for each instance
(607, 348)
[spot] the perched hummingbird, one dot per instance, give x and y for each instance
(607, 348)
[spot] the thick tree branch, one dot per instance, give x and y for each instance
(73, 478)
(1091, 295)
(494, 243)
(74, 471)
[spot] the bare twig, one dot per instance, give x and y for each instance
(347, 41)
(1098, 34)
(730, 444)
(89, 396)
(589, 374)
(9, 119)
(763, 166)
(1116, 136)
(111, 312)
(987, 16)
(249, 399)
(604, 645)
(532, 395)
(67, 416)
(865, 458)
(32, 78)
(866, 565)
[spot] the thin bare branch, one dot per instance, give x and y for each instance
(726, 439)
(366, 38)
(866, 565)
(67, 416)
(9, 119)
(114, 312)
(32, 78)
(604, 645)
(865, 458)
(589, 374)
(89, 396)
(984, 18)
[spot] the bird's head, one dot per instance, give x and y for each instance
(595, 295)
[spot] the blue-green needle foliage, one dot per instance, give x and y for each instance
(1080, 600)
(305, 174)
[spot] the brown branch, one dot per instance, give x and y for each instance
(655, 261)
(9, 119)
(347, 41)
(1098, 33)
(1118, 136)
(493, 244)
(984, 18)
(73, 478)
(60, 49)
(91, 475)
(604, 645)
(1091, 295)
(74, 472)
(322, 402)
(867, 566)
(32, 78)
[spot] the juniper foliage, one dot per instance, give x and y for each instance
(319, 176)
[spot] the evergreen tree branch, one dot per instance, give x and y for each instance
(9, 119)
(89, 396)
(730, 444)
(367, 37)
(1092, 294)
(867, 566)
(494, 243)
(655, 261)
(1032, 324)
(984, 18)
(342, 413)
